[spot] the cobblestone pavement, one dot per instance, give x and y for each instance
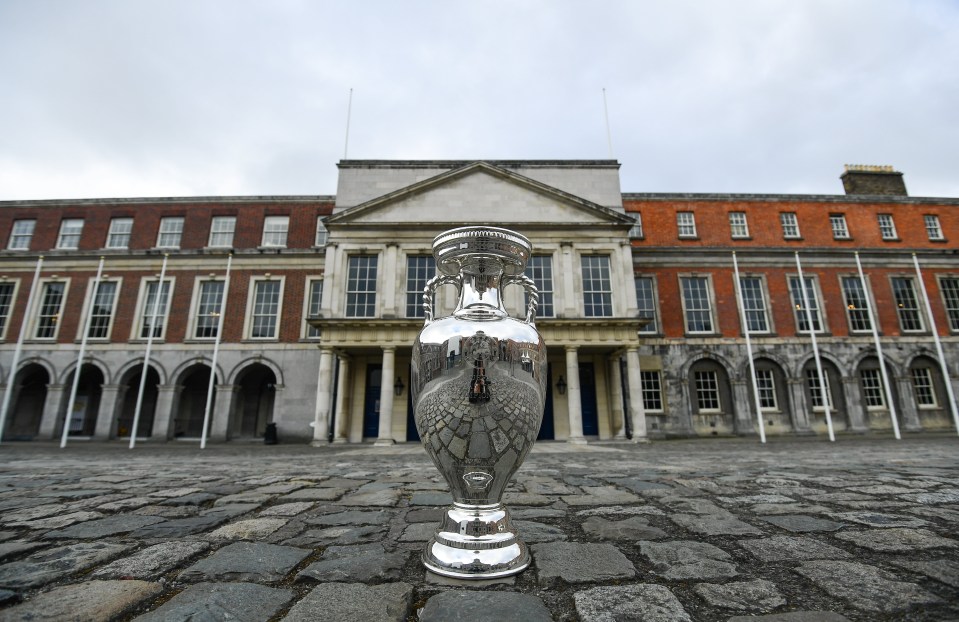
(721, 529)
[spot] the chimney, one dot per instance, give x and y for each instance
(871, 179)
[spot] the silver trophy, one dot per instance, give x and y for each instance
(478, 386)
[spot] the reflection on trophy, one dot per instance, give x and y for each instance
(478, 387)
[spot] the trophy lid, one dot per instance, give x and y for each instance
(471, 249)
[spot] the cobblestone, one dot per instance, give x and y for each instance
(796, 530)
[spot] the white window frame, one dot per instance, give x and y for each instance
(716, 388)
(413, 297)
(636, 231)
(65, 232)
(164, 317)
(710, 298)
(865, 316)
(648, 378)
(322, 234)
(275, 236)
(215, 232)
(251, 305)
(20, 240)
(686, 224)
(887, 227)
(929, 384)
(949, 294)
(171, 228)
(799, 312)
(790, 225)
(653, 327)
(901, 310)
(115, 234)
(607, 293)
(197, 301)
(812, 385)
(933, 227)
(88, 301)
(547, 295)
(766, 383)
(872, 388)
(34, 316)
(311, 280)
(13, 301)
(373, 290)
(839, 226)
(738, 225)
(764, 296)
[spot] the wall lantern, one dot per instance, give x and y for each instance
(561, 386)
(398, 387)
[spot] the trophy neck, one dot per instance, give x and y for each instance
(481, 296)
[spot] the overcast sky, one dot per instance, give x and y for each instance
(126, 98)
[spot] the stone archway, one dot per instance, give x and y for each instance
(188, 417)
(26, 404)
(253, 401)
(130, 389)
(86, 405)
(711, 396)
(835, 393)
(773, 396)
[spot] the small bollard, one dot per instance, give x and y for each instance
(269, 437)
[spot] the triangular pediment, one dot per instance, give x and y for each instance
(482, 193)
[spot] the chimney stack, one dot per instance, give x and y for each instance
(872, 179)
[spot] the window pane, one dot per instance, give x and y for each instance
(872, 390)
(933, 230)
(815, 392)
(754, 304)
(907, 304)
(838, 224)
(21, 234)
(49, 315)
(70, 230)
(766, 384)
(152, 306)
(102, 311)
(266, 307)
(737, 225)
(857, 305)
(208, 309)
(170, 231)
(686, 222)
(887, 227)
(802, 317)
(314, 305)
(221, 231)
(119, 235)
(636, 231)
(696, 298)
(922, 386)
(322, 235)
(646, 302)
(707, 391)
(950, 295)
(6, 300)
(361, 286)
(540, 269)
(652, 391)
(790, 225)
(274, 230)
(419, 270)
(597, 289)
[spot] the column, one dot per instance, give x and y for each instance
(330, 281)
(908, 413)
(385, 436)
(744, 407)
(629, 282)
(574, 398)
(222, 408)
(51, 411)
(389, 273)
(854, 405)
(568, 295)
(637, 414)
(341, 419)
(800, 409)
(324, 396)
(616, 398)
(107, 414)
(163, 415)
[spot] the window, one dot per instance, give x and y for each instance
(907, 304)
(266, 309)
(597, 289)
(887, 227)
(636, 231)
(101, 315)
(208, 309)
(839, 229)
(857, 304)
(802, 318)
(923, 388)
(419, 270)
(222, 229)
(766, 386)
(70, 230)
(790, 224)
(872, 390)
(754, 304)
(737, 225)
(361, 286)
(21, 234)
(6, 302)
(313, 306)
(119, 235)
(707, 391)
(48, 317)
(815, 392)
(171, 228)
(646, 303)
(686, 222)
(949, 286)
(540, 269)
(154, 306)
(696, 304)
(275, 229)
(652, 388)
(322, 235)
(933, 230)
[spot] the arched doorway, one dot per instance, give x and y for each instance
(875, 402)
(371, 401)
(26, 403)
(929, 391)
(773, 396)
(191, 405)
(711, 398)
(253, 402)
(83, 420)
(834, 394)
(130, 387)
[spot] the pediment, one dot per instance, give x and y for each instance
(478, 193)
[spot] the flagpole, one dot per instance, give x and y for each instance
(935, 334)
(824, 395)
(749, 350)
(216, 351)
(12, 375)
(85, 327)
(146, 356)
(882, 359)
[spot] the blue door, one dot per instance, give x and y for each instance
(546, 429)
(587, 386)
(412, 435)
(371, 405)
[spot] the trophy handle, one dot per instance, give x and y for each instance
(531, 290)
(430, 290)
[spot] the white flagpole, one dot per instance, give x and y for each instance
(146, 357)
(85, 328)
(823, 391)
(12, 374)
(749, 350)
(216, 350)
(882, 359)
(935, 334)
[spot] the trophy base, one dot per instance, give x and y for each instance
(476, 542)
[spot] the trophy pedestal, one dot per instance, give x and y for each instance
(476, 542)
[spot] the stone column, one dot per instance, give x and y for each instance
(51, 411)
(568, 295)
(574, 398)
(330, 281)
(163, 415)
(222, 409)
(801, 411)
(341, 419)
(324, 396)
(629, 282)
(637, 413)
(389, 273)
(854, 404)
(908, 413)
(107, 415)
(385, 436)
(616, 398)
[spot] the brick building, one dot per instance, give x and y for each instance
(313, 328)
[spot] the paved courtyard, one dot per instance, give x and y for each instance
(721, 529)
